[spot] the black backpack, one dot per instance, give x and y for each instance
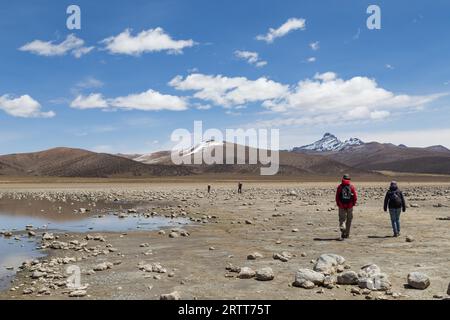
(395, 200)
(346, 194)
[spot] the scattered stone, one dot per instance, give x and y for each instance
(37, 274)
(48, 236)
(173, 235)
(355, 291)
(284, 256)
(371, 277)
(103, 266)
(254, 256)
(78, 294)
(327, 263)
(418, 280)
(233, 269)
(410, 239)
(265, 274)
(28, 291)
(329, 282)
(348, 278)
(304, 278)
(246, 273)
(171, 296)
(154, 267)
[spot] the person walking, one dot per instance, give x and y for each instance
(240, 187)
(395, 202)
(346, 199)
(209, 188)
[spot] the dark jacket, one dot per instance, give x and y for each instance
(391, 205)
(338, 195)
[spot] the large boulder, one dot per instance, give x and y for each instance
(370, 277)
(378, 282)
(369, 270)
(327, 263)
(418, 280)
(305, 277)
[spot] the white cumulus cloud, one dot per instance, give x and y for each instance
(72, 45)
(152, 40)
(229, 92)
(251, 58)
(289, 26)
(23, 107)
(92, 101)
(147, 101)
(325, 98)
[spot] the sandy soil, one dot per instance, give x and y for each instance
(268, 218)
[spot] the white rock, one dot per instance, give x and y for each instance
(77, 293)
(327, 263)
(246, 273)
(303, 276)
(171, 296)
(265, 274)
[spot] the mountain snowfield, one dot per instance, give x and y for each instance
(330, 142)
(157, 157)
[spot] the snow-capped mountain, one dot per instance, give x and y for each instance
(165, 156)
(330, 142)
(205, 145)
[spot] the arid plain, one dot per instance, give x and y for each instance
(225, 245)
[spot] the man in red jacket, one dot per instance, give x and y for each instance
(346, 198)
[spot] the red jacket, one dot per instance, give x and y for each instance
(338, 195)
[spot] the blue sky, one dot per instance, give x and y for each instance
(183, 61)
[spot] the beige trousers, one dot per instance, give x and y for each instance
(345, 220)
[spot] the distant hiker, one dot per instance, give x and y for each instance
(240, 187)
(346, 198)
(209, 188)
(395, 201)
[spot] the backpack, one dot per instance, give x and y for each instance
(395, 199)
(346, 194)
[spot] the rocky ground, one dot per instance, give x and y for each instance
(275, 241)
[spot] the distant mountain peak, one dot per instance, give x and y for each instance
(330, 142)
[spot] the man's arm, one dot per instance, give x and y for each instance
(403, 202)
(355, 195)
(338, 198)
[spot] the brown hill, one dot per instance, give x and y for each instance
(66, 162)
(377, 156)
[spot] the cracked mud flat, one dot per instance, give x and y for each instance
(269, 218)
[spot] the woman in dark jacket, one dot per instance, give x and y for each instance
(395, 201)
